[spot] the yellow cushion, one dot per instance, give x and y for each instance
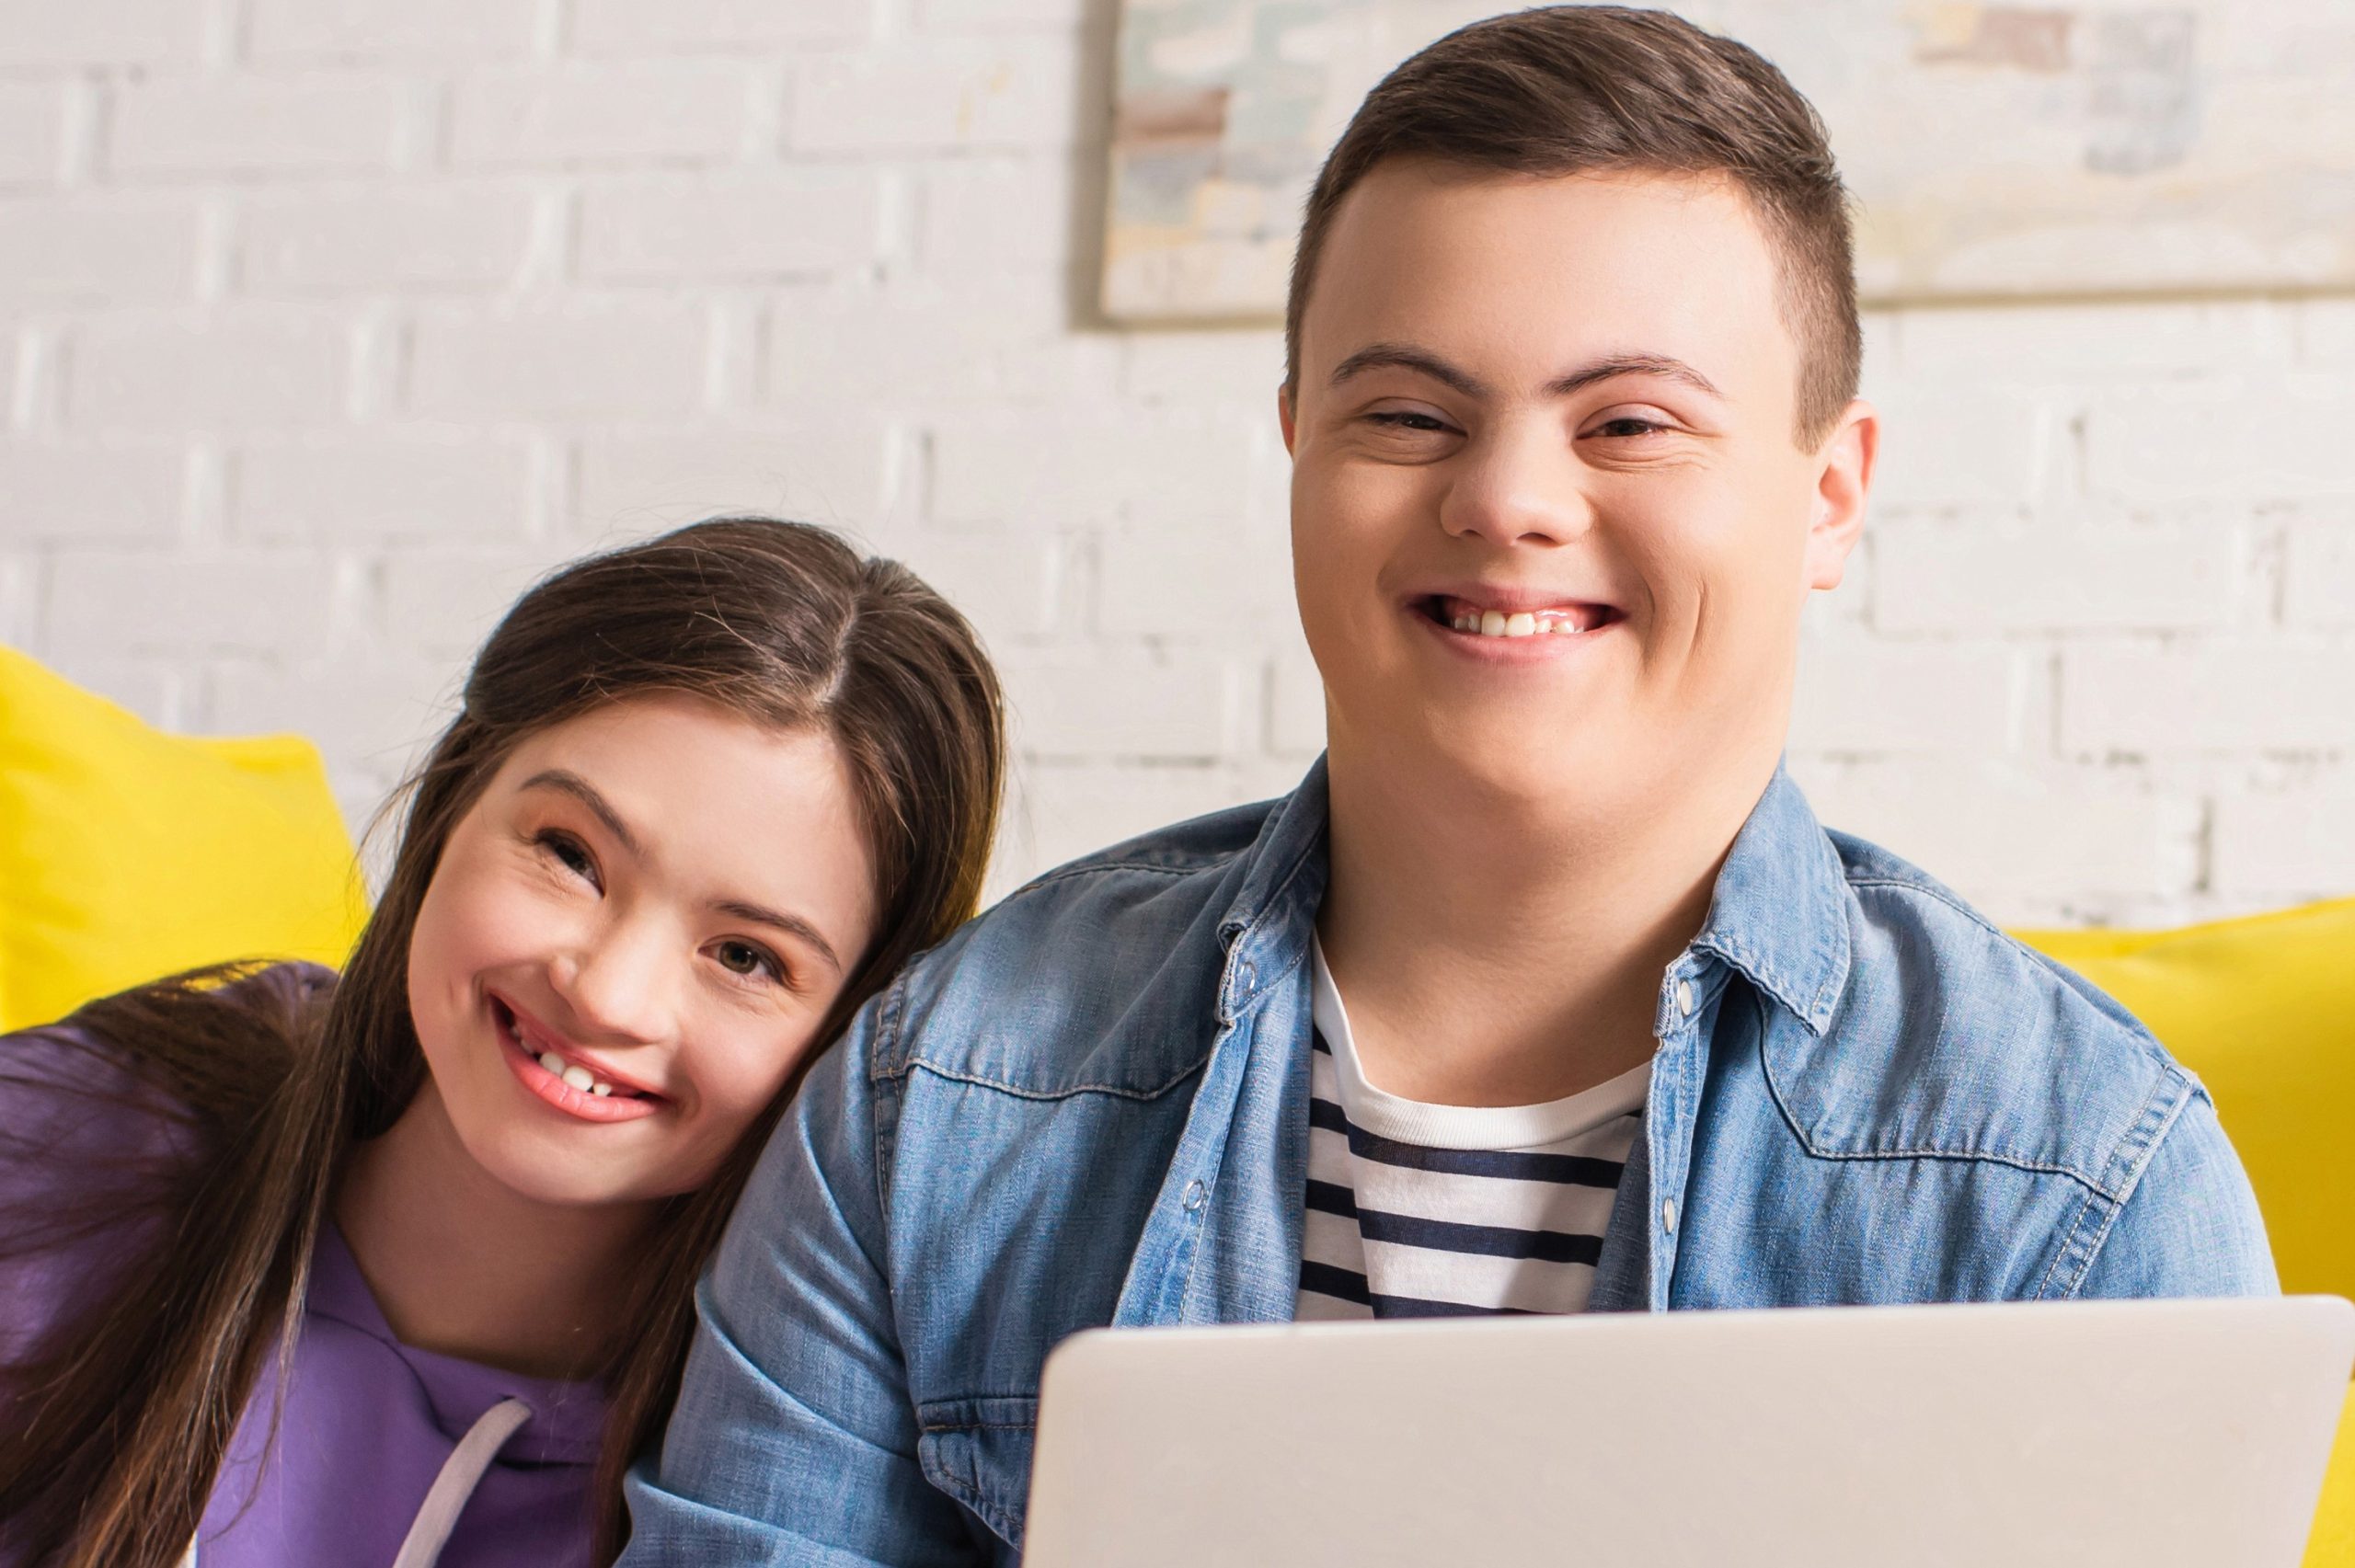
(127, 854)
(2263, 1010)
(2332, 1545)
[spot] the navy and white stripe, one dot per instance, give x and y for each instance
(1446, 1211)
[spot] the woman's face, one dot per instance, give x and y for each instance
(632, 937)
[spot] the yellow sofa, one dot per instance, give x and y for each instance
(2263, 1010)
(126, 853)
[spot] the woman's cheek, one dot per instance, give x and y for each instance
(741, 1077)
(504, 916)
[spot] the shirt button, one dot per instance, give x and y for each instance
(1684, 998)
(1195, 1192)
(1668, 1216)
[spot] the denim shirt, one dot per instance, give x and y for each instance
(1090, 1107)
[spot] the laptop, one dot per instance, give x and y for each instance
(2135, 1434)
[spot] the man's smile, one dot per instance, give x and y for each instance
(1502, 614)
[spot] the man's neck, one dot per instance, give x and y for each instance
(462, 1265)
(1497, 950)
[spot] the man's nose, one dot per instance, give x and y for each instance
(1518, 484)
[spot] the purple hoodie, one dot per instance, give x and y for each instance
(366, 1424)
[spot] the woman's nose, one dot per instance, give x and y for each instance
(619, 980)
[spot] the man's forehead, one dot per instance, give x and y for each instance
(1552, 266)
(1511, 198)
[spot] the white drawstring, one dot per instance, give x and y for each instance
(461, 1473)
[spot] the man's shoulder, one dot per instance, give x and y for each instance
(1953, 1039)
(1099, 976)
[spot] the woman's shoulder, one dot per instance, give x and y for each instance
(96, 1132)
(91, 1079)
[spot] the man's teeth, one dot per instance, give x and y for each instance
(1521, 624)
(575, 1075)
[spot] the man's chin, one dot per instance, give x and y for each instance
(1500, 753)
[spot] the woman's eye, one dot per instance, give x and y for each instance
(569, 852)
(745, 958)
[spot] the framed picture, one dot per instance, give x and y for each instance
(2185, 147)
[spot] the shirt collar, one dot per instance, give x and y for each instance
(1270, 922)
(1779, 914)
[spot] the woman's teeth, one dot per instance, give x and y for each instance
(575, 1075)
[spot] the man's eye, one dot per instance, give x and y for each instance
(1398, 419)
(1629, 426)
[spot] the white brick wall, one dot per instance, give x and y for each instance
(110, 33)
(330, 322)
(371, 31)
(32, 131)
(344, 121)
(453, 236)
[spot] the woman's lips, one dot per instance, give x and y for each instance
(617, 1106)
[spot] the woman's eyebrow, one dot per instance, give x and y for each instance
(581, 789)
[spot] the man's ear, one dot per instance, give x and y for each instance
(1283, 412)
(1844, 475)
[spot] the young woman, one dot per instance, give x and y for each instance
(397, 1268)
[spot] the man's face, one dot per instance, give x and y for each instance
(1550, 519)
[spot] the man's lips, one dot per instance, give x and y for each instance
(1501, 614)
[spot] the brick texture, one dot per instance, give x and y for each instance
(818, 223)
(32, 133)
(439, 236)
(572, 363)
(381, 490)
(667, 110)
(638, 27)
(376, 30)
(339, 123)
(332, 322)
(101, 32)
(88, 492)
(61, 251)
(230, 367)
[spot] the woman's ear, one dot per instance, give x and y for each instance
(1844, 474)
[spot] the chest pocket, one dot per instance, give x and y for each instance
(978, 1451)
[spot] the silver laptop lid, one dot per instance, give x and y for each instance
(2144, 1434)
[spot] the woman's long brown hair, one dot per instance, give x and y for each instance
(118, 1422)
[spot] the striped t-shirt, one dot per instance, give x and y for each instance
(1421, 1211)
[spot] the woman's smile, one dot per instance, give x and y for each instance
(558, 1074)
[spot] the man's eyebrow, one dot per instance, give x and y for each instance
(792, 925)
(1612, 365)
(581, 789)
(1406, 357)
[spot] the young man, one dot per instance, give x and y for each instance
(1544, 990)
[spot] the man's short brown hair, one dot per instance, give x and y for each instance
(1603, 89)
